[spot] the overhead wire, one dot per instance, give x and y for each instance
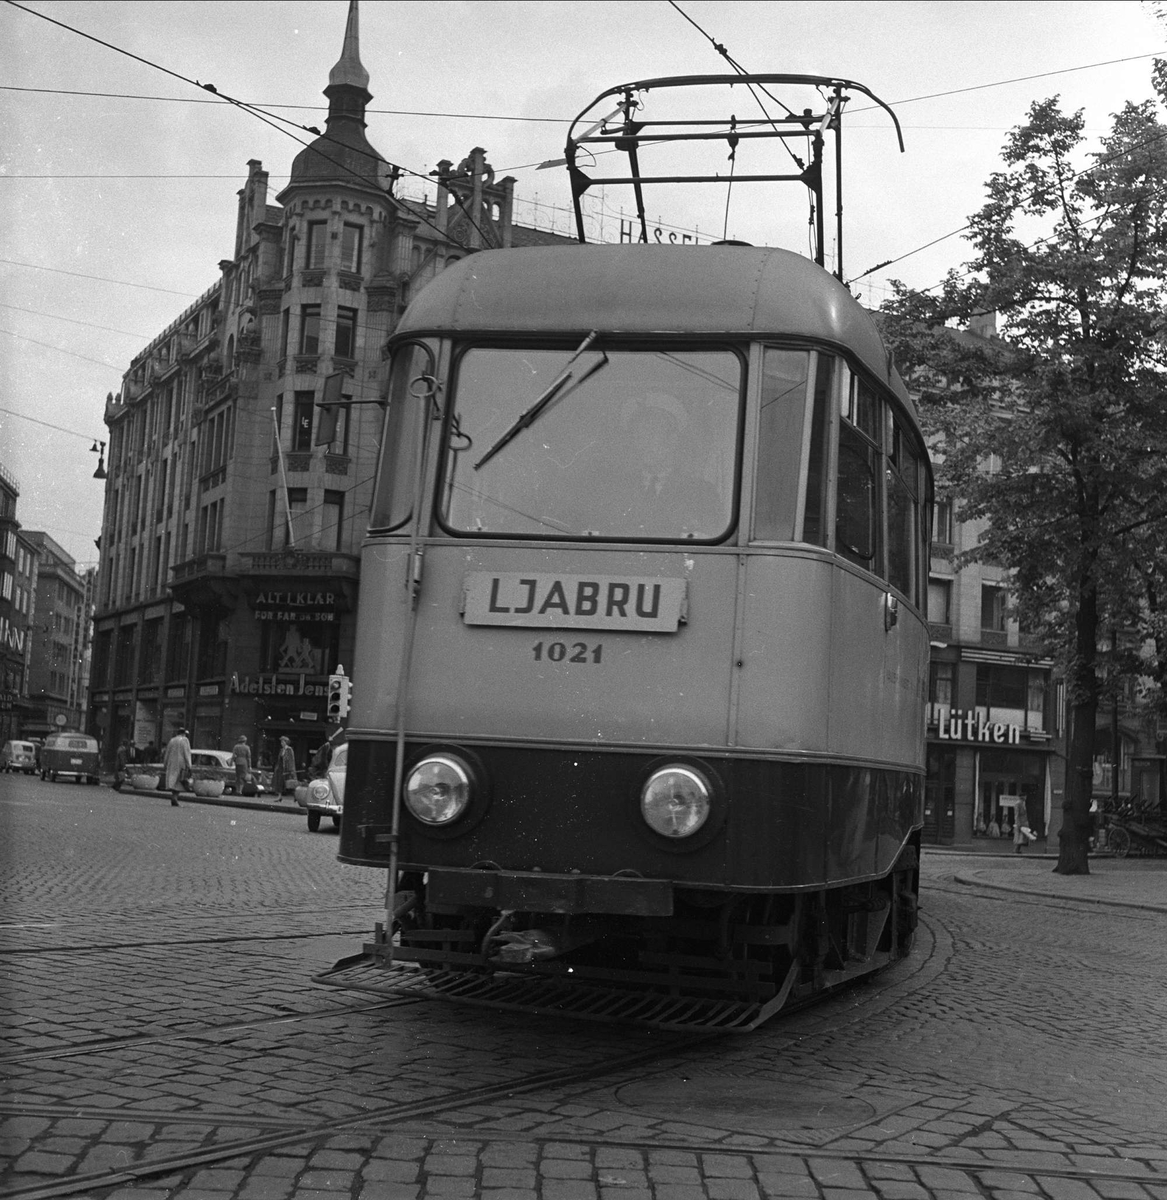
(260, 114)
(149, 287)
(61, 350)
(73, 321)
(88, 437)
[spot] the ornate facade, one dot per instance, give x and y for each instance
(233, 518)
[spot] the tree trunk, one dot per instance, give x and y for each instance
(1077, 824)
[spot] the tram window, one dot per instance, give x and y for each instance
(814, 521)
(857, 505)
(636, 444)
(863, 408)
(780, 424)
(903, 502)
(393, 502)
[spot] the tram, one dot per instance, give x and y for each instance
(637, 726)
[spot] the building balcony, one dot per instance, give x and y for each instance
(204, 581)
(212, 563)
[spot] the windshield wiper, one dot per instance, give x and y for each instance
(532, 414)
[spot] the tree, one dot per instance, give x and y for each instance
(1057, 433)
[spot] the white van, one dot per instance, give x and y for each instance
(18, 756)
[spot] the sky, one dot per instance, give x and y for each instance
(116, 209)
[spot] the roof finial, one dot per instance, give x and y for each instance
(349, 68)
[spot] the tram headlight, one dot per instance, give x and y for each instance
(676, 801)
(437, 789)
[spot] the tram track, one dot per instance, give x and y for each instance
(172, 944)
(195, 1033)
(327, 1126)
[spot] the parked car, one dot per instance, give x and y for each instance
(70, 754)
(326, 794)
(18, 756)
(218, 764)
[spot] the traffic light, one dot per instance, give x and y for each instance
(339, 690)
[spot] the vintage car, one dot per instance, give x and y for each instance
(326, 794)
(18, 756)
(70, 754)
(219, 764)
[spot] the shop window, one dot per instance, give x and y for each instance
(310, 647)
(1011, 788)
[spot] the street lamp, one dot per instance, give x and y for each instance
(100, 472)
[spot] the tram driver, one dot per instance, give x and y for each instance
(658, 489)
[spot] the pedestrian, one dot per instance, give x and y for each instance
(321, 759)
(285, 769)
(121, 762)
(177, 764)
(242, 756)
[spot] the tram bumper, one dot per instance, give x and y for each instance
(537, 891)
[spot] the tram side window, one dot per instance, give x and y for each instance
(814, 521)
(903, 509)
(780, 424)
(857, 500)
(393, 502)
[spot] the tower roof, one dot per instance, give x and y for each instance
(342, 154)
(349, 68)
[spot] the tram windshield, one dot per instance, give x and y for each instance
(633, 444)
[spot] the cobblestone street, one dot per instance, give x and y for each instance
(163, 1037)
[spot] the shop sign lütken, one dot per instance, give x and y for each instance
(279, 685)
(970, 727)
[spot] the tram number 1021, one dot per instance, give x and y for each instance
(572, 652)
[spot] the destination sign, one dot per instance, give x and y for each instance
(543, 601)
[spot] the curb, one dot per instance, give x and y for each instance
(221, 801)
(970, 879)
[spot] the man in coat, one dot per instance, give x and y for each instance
(177, 764)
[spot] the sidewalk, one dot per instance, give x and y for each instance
(259, 803)
(1123, 882)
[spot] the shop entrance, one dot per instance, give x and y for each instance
(940, 798)
(1009, 784)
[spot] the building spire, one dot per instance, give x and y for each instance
(349, 68)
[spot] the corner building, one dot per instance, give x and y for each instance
(233, 519)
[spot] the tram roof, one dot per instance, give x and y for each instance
(731, 290)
